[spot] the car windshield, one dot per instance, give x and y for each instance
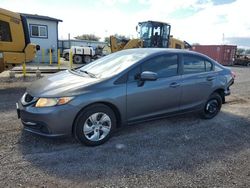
(113, 64)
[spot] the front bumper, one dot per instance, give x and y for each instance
(48, 121)
(39, 128)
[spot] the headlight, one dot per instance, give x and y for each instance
(47, 102)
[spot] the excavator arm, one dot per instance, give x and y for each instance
(122, 44)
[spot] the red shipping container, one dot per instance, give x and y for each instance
(223, 54)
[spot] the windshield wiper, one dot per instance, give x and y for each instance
(88, 73)
(74, 69)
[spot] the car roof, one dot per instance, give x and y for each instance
(157, 50)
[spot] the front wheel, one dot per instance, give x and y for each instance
(66, 57)
(95, 124)
(212, 106)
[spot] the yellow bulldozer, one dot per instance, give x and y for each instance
(152, 34)
(15, 46)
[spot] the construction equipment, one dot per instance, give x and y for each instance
(242, 60)
(15, 46)
(79, 54)
(152, 34)
(83, 54)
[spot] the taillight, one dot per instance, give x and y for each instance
(233, 74)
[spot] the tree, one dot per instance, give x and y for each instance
(247, 51)
(88, 37)
(240, 50)
(196, 44)
(107, 39)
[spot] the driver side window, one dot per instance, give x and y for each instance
(164, 65)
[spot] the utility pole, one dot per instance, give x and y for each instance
(69, 40)
(223, 38)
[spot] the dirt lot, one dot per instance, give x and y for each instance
(178, 151)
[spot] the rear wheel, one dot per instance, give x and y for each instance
(95, 125)
(212, 106)
(87, 59)
(77, 59)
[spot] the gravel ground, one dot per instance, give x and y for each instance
(173, 152)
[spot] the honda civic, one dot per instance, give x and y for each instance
(125, 87)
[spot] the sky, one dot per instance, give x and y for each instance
(196, 21)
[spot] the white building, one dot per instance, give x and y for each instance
(43, 31)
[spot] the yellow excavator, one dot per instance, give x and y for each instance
(152, 34)
(15, 46)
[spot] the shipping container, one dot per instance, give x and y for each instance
(223, 54)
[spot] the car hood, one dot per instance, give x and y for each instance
(64, 83)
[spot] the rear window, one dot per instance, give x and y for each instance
(208, 66)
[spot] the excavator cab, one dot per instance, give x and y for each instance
(154, 34)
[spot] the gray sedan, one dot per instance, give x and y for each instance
(126, 87)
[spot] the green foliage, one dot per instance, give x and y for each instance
(107, 39)
(247, 51)
(240, 50)
(196, 44)
(88, 37)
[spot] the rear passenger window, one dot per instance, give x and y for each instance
(195, 65)
(5, 31)
(164, 65)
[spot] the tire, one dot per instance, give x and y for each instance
(95, 125)
(66, 57)
(77, 59)
(212, 106)
(87, 59)
(248, 64)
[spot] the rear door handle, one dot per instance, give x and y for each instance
(210, 78)
(174, 85)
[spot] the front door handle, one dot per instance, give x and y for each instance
(174, 85)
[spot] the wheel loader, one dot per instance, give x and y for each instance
(152, 34)
(15, 45)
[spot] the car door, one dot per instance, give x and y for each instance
(197, 82)
(154, 97)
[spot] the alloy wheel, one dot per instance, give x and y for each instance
(97, 126)
(212, 107)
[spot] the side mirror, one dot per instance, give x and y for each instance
(148, 76)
